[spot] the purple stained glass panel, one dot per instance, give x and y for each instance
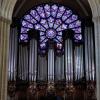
(54, 9)
(24, 30)
(78, 36)
(39, 27)
(42, 45)
(51, 20)
(60, 12)
(77, 30)
(41, 11)
(62, 27)
(42, 38)
(67, 14)
(71, 19)
(47, 10)
(30, 19)
(44, 23)
(59, 38)
(60, 33)
(51, 33)
(35, 15)
(27, 24)
(23, 37)
(42, 33)
(75, 24)
(57, 23)
(45, 40)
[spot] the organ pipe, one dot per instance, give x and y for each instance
(59, 67)
(33, 60)
(42, 68)
(23, 62)
(12, 54)
(78, 62)
(69, 60)
(89, 53)
(51, 65)
(74, 65)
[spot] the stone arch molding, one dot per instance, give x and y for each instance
(6, 8)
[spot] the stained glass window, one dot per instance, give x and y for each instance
(51, 20)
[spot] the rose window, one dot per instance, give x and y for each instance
(51, 20)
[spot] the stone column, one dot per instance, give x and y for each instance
(4, 47)
(97, 53)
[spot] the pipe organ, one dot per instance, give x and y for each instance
(74, 66)
(52, 57)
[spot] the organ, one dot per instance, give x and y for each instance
(51, 53)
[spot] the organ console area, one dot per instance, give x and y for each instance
(62, 68)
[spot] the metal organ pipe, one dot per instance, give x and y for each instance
(42, 68)
(50, 65)
(12, 54)
(33, 60)
(59, 67)
(89, 53)
(69, 60)
(23, 62)
(78, 62)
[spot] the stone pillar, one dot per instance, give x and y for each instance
(97, 53)
(4, 47)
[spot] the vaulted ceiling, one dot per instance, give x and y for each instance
(80, 6)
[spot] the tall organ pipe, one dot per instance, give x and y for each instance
(12, 54)
(33, 60)
(42, 68)
(59, 67)
(69, 60)
(78, 62)
(51, 65)
(89, 53)
(23, 62)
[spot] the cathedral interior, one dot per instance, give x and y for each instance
(52, 51)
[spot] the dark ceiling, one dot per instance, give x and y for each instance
(80, 6)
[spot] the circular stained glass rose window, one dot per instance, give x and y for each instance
(51, 33)
(51, 20)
